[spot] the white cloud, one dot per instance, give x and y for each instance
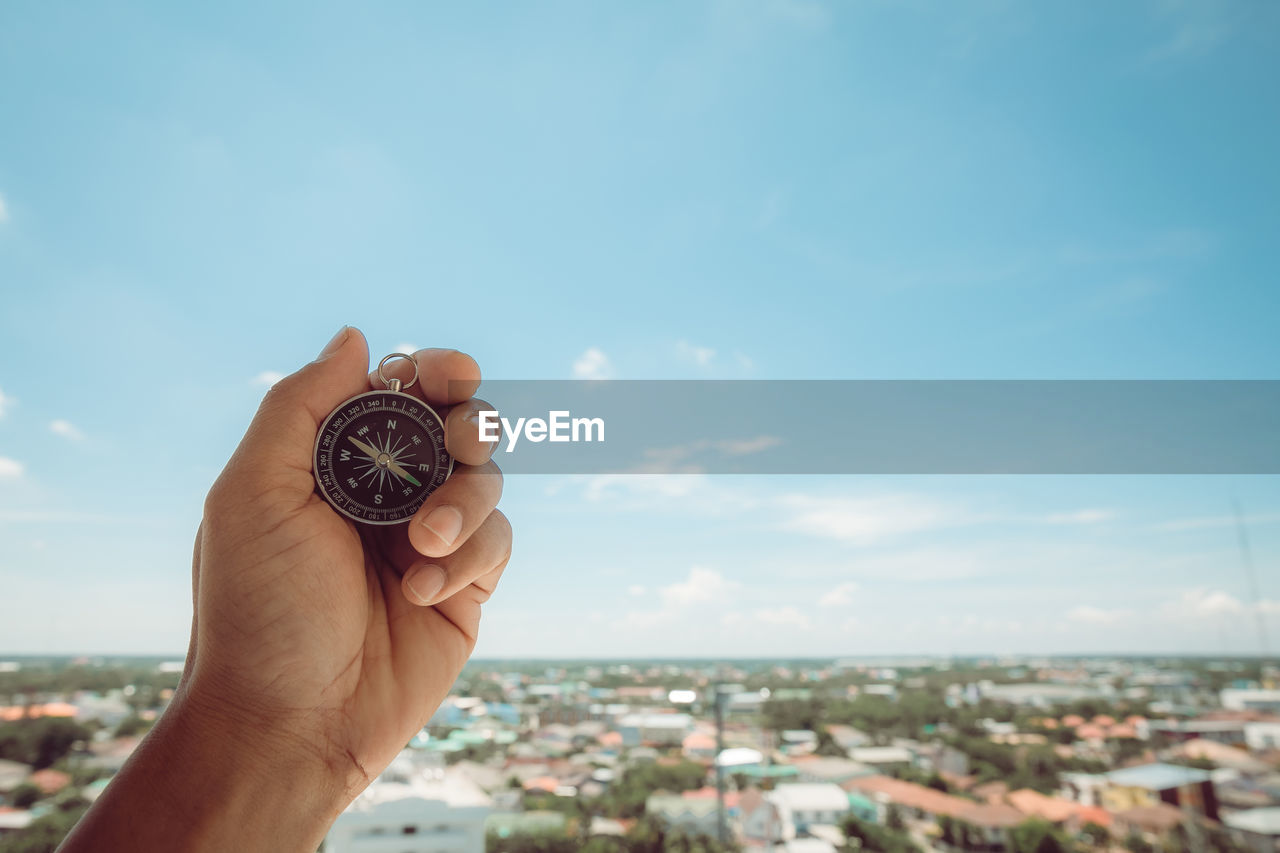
(592, 364)
(407, 349)
(864, 520)
(701, 585)
(636, 590)
(701, 356)
(66, 429)
(1204, 603)
(1096, 615)
(4, 211)
(787, 616)
(839, 596)
(10, 469)
(267, 378)
(5, 402)
(744, 360)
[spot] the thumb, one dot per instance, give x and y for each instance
(280, 442)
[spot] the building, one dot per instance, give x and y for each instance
(415, 806)
(1250, 699)
(883, 757)
(655, 729)
(916, 802)
(1172, 784)
(805, 804)
(693, 815)
(1258, 829)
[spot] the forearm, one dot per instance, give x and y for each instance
(192, 785)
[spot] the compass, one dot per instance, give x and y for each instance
(380, 454)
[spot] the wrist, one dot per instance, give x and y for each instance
(200, 782)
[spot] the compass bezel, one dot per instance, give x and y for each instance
(335, 424)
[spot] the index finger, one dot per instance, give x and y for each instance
(445, 376)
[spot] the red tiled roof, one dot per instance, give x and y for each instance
(50, 781)
(1052, 809)
(1095, 814)
(909, 794)
(994, 815)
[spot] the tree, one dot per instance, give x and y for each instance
(1135, 843)
(877, 839)
(893, 818)
(25, 795)
(1094, 834)
(40, 742)
(1037, 836)
(45, 833)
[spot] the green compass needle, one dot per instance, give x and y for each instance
(395, 468)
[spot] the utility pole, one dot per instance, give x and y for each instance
(721, 824)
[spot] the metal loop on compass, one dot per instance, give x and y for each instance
(394, 384)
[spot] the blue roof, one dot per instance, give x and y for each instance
(1157, 777)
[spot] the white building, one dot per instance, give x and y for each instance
(660, 729)
(1252, 699)
(415, 806)
(806, 804)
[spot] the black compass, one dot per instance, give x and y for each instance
(380, 454)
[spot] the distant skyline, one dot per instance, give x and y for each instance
(193, 200)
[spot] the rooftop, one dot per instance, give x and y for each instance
(1157, 777)
(1261, 821)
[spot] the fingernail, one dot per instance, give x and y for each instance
(335, 343)
(445, 522)
(425, 583)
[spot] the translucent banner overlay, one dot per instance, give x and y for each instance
(885, 427)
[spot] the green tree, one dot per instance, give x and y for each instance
(877, 839)
(40, 742)
(1037, 836)
(45, 833)
(1135, 843)
(1094, 834)
(25, 795)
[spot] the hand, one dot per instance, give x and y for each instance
(319, 646)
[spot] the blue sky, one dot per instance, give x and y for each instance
(192, 199)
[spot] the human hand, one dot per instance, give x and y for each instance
(319, 646)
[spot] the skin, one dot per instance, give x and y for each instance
(319, 646)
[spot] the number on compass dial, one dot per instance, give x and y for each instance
(379, 455)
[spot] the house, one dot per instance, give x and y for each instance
(822, 768)
(12, 774)
(882, 757)
(847, 737)
(992, 821)
(762, 821)
(699, 746)
(655, 729)
(1153, 823)
(914, 801)
(806, 804)
(1035, 804)
(414, 807)
(1250, 699)
(693, 815)
(1258, 829)
(1148, 784)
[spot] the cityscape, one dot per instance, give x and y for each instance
(891, 754)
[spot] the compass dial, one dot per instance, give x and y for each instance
(379, 455)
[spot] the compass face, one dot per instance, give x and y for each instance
(379, 455)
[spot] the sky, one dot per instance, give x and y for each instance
(194, 199)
